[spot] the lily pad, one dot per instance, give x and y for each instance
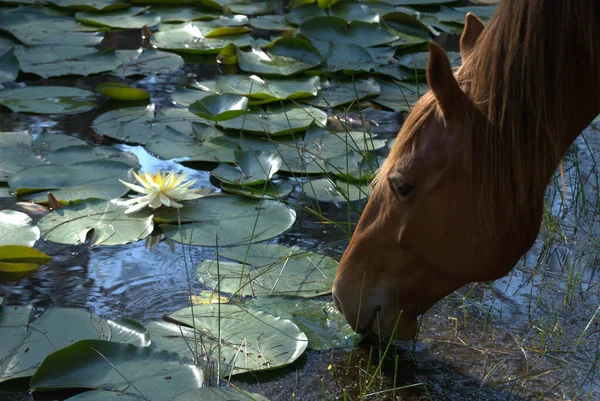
(252, 7)
(285, 56)
(418, 61)
(131, 18)
(335, 191)
(349, 58)
(219, 394)
(47, 335)
(322, 30)
(322, 323)
(337, 93)
(398, 97)
(184, 14)
(278, 190)
(96, 222)
(90, 5)
(93, 179)
(118, 367)
(234, 220)
(220, 107)
(50, 142)
(189, 38)
(37, 28)
(252, 168)
(245, 340)
(17, 228)
(277, 120)
(206, 144)
(16, 158)
(48, 100)
(271, 269)
(271, 23)
(354, 166)
(264, 90)
(9, 67)
(85, 153)
(118, 91)
(20, 260)
(184, 97)
(149, 62)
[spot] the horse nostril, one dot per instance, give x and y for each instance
(336, 302)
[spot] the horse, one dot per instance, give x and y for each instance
(460, 197)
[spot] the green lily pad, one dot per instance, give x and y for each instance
(131, 18)
(322, 30)
(398, 97)
(17, 228)
(337, 93)
(9, 67)
(149, 62)
(189, 38)
(271, 23)
(16, 138)
(36, 28)
(324, 326)
(184, 14)
(418, 61)
(50, 142)
(482, 12)
(233, 219)
(396, 70)
(118, 91)
(18, 261)
(48, 100)
(85, 153)
(278, 190)
(220, 107)
(184, 97)
(253, 168)
(254, 340)
(97, 222)
(335, 191)
(91, 179)
(407, 27)
(205, 144)
(13, 326)
(264, 90)
(90, 5)
(15, 159)
(419, 2)
(304, 12)
(271, 269)
(219, 394)
(47, 335)
(55, 60)
(136, 125)
(285, 56)
(348, 58)
(354, 166)
(252, 7)
(97, 364)
(277, 120)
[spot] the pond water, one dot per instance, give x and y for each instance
(530, 335)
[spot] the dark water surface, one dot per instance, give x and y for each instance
(530, 335)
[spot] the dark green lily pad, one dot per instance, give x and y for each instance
(121, 368)
(278, 190)
(285, 56)
(354, 166)
(220, 107)
(9, 67)
(93, 179)
(149, 62)
(189, 38)
(17, 228)
(271, 269)
(398, 97)
(54, 60)
(337, 93)
(277, 120)
(206, 144)
(91, 5)
(271, 23)
(348, 58)
(47, 335)
(184, 14)
(304, 12)
(264, 90)
(96, 222)
(335, 191)
(235, 220)
(254, 340)
(252, 7)
(252, 168)
(50, 142)
(322, 323)
(131, 18)
(407, 27)
(48, 100)
(17, 158)
(418, 61)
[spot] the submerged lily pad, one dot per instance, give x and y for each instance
(48, 100)
(48, 334)
(93, 179)
(253, 168)
(254, 340)
(96, 222)
(149, 62)
(335, 191)
(220, 107)
(234, 220)
(17, 228)
(285, 56)
(131, 18)
(277, 120)
(9, 67)
(118, 367)
(271, 269)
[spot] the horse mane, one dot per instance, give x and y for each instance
(524, 77)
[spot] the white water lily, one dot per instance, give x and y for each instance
(161, 189)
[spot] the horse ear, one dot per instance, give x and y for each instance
(473, 28)
(443, 84)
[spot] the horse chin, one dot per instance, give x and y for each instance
(406, 329)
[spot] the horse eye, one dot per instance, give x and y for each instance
(403, 190)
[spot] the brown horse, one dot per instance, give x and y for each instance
(460, 197)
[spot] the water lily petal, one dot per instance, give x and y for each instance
(155, 201)
(134, 187)
(164, 199)
(136, 207)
